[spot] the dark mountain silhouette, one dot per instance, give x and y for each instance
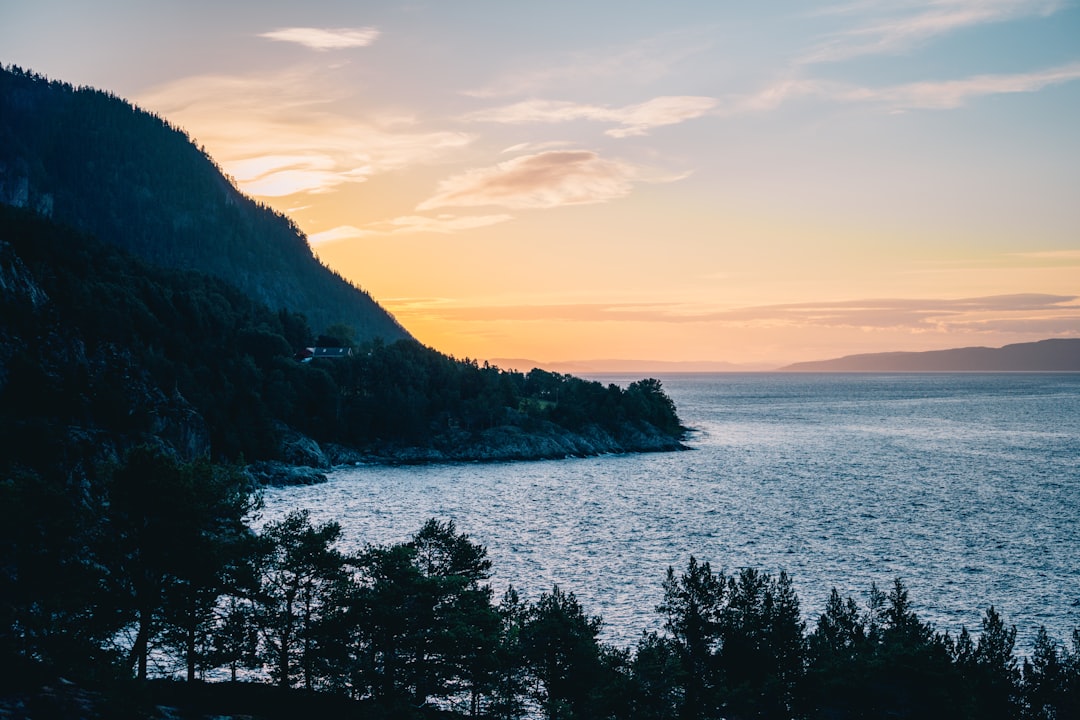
(91, 160)
(143, 299)
(101, 351)
(1054, 355)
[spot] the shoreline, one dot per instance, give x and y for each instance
(306, 462)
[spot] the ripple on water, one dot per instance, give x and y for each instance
(965, 487)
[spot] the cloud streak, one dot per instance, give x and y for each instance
(908, 24)
(277, 136)
(951, 94)
(1024, 313)
(926, 95)
(443, 224)
(282, 175)
(323, 39)
(633, 120)
(543, 180)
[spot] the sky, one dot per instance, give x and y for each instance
(755, 183)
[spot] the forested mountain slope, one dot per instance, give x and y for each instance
(91, 160)
(99, 349)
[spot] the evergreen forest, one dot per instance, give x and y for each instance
(143, 585)
(103, 351)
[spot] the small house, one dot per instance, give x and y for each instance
(329, 353)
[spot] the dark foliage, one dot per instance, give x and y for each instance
(410, 630)
(100, 340)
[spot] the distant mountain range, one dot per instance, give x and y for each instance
(1054, 355)
(90, 160)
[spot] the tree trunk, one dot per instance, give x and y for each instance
(286, 638)
(283, 662)
(191, 639)
(140, 648)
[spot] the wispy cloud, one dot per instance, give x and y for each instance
(644, 62)
(634, 119)
(777, 94)
(324, 38)
(950, 94)
(1026, 313)
(543, 180)
(279, 134)
(535, 147)
(1056, 257)
(443, 224)
(894, 27)
(341, 232)
(925, 95)
(282, 175)
(922, 314)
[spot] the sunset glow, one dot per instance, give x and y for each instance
(691, 181)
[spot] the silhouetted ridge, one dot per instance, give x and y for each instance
(89, 159)
(1054, 355)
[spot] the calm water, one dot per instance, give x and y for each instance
(967, 487)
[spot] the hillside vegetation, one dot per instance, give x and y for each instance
(91, 160)
(97, 340)
(148, 300)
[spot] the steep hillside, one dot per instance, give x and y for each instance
(1054, 355)
(88, 159)
(100, 351)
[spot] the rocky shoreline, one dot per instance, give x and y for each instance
(306, 462)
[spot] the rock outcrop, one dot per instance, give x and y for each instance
(544, 441)
(272, 473)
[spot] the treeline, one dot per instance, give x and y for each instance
(99, 340)
(94, 161)
(151, 570)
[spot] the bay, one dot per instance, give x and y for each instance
(964, 486)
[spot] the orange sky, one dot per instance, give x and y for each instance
(591, 181)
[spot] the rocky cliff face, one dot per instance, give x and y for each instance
(544, 441)
(15, 190)
(307, 462)
(17, 284)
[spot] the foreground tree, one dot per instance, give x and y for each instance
(509, 680)
(175, 528)
(763, 652)
(298, 587)
(993, 675)
(659, 679)
(458, 646)
(427, 627)
(691, 609)
(56, 607)
(740, 640)
(559, 644)
(839, 650)
(1044, 680)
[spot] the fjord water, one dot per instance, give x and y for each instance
(965, 486)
